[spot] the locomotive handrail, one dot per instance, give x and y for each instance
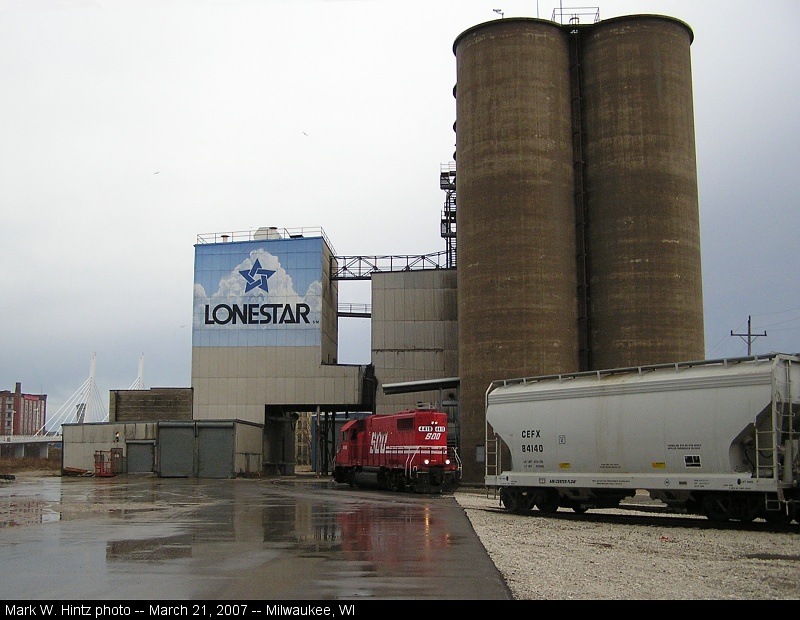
(453, 453)
(408, 467)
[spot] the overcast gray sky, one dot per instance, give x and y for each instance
(128, 127)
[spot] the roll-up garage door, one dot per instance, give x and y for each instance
(215, 450)
(141, 457)
(176, 450)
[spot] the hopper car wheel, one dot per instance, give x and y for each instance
(547, 501)
(716, 507)
(528, 500)
(581, 510)
(779, 517)
(745, 509)
(511, 499)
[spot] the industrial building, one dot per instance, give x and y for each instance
(572, 243)
(22, 416)
(265, 335)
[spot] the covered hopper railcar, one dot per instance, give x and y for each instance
(719, 438)
(399, 452)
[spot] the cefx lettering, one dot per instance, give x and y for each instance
(257, 314)
(531, 434)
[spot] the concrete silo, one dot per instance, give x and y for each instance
(642, 234)
(516, 217)
(578, 226)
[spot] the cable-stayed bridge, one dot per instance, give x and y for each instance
(86, 405)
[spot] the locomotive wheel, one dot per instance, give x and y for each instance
(716, 507)
(396, 482)
(547, 501)
(511, 499)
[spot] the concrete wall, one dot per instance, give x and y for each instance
(248, 449)
(232, 382)
(81, 441)
(414, 333)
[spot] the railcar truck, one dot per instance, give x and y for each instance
(718, 438)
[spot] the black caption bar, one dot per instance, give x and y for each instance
(258, 609)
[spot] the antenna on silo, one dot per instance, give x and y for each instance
(499, 12)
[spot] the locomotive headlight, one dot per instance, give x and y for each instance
(427, 461)
(447, 461)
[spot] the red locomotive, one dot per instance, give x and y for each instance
(406, 450)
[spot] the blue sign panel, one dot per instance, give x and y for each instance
(264, 293)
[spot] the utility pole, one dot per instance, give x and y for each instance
(750, 336)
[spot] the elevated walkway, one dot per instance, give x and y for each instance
(19, 442)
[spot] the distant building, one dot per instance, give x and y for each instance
(303, 439)
(22, 414)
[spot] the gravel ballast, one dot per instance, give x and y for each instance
(634, 553)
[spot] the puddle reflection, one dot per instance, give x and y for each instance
(150, 550)
(24, 504)
(235, 538)
(390, 533)
(22, 511)
(384, 535)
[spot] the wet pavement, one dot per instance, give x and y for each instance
(146, 538)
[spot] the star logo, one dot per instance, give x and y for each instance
(256, 277)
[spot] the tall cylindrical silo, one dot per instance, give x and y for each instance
(516, 216)
(643, 233)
